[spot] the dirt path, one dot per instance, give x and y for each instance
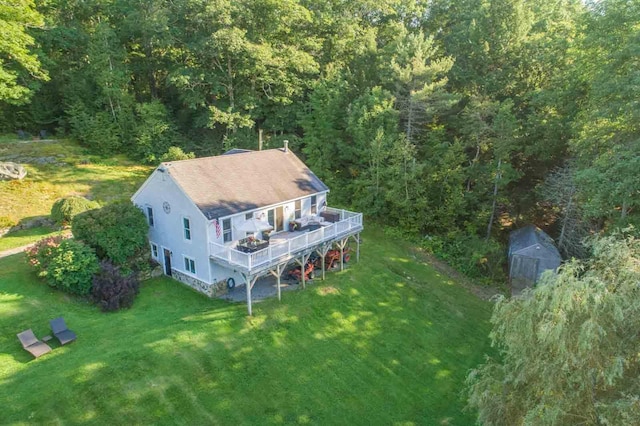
(16, 250)
(10, 252)
(481, 291)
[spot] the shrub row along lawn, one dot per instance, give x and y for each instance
(387, 341)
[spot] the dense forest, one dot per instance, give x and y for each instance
(453, 122)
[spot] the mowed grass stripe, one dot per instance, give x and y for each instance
(387, 341)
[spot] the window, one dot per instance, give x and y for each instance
(154, 251)
(271, 214)
(189, 265)
(275, 217)
(186, 223)
(150, 215)
(248, 216)
(298, 209)
(226, 230)
(314, 204)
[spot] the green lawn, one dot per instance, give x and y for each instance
(388, 341)
(25, 236)
(67, 170)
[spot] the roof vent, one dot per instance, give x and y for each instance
(286, 145)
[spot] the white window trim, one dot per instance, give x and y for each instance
(184, 234)
(230, 230)
(157, 255)
(184, 264)
(295, 210)
(149, 220)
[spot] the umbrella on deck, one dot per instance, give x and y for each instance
(254, 225)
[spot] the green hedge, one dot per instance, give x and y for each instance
(65, 209)
(117, 232)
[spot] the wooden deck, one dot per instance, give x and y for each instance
(287, 245)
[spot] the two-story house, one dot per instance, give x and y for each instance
(206, 216)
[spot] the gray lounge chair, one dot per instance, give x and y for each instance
(60, 330)
(31, 344)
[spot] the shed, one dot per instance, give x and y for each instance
(531, 252)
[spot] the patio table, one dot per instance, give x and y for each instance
(250, 247)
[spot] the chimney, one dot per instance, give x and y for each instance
(286, 145)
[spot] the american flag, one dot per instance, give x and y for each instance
(218, 230)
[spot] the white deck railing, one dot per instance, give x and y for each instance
(350, 222)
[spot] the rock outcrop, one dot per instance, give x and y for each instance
(12, 171)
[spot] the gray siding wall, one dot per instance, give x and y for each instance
(168, 230)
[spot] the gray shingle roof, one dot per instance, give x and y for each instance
(532, 236)
(229, 184)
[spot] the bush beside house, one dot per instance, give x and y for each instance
(112, 290)
(117, 232)
(65, 264)
(65, 209)
(109, 250)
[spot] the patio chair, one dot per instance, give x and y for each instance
(60, 330)
(31, 344)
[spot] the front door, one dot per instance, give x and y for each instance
(167, 262)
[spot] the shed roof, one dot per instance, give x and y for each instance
(521, 240)
(228, 184)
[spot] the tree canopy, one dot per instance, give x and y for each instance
(19, 66)
(441, 118)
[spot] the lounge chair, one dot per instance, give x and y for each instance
(31, 344)
(60, 330)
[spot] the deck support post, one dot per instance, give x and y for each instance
(357, 238)
(249, 283)
(278, 273)
(342, 243)
(279, 269)
(322, 252)
(248, 288)
(303, 264)
(278, 284)
(303, 268)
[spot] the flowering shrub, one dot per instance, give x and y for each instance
(65, 264)
(39, 254)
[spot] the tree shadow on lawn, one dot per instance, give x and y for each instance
(112, 353)
(361, 351)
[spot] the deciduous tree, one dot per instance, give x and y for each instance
(569, 348)
(19, 65)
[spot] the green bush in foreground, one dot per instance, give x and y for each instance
(65, 209)
(65, 264)
(117, 232)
